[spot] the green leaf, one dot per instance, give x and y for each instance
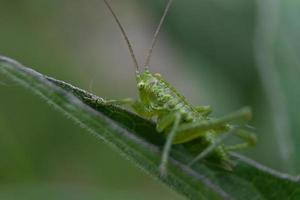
(136, 139)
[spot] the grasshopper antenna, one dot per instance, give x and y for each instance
(124, 35)
(154, 40)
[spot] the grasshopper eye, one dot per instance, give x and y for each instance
(141, 85)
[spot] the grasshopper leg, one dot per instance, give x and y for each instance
(243, 114)
(167, 147)
(165, 122)
(120, 102)
(190, 131)
(137, 106)
(208, 150)
(249, 138)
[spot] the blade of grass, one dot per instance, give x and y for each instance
(137, 140)
(268, 13)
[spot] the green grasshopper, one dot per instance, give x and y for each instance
(175, 117)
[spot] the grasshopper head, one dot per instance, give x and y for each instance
(146, 82)
(144, 79)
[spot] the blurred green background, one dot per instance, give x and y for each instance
(223, 53)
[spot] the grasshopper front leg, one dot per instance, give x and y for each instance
(173, 120)
(137, 106)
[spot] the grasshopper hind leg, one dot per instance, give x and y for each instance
(222, 151)
(249, 138)
(215, 145)
(214, 136)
